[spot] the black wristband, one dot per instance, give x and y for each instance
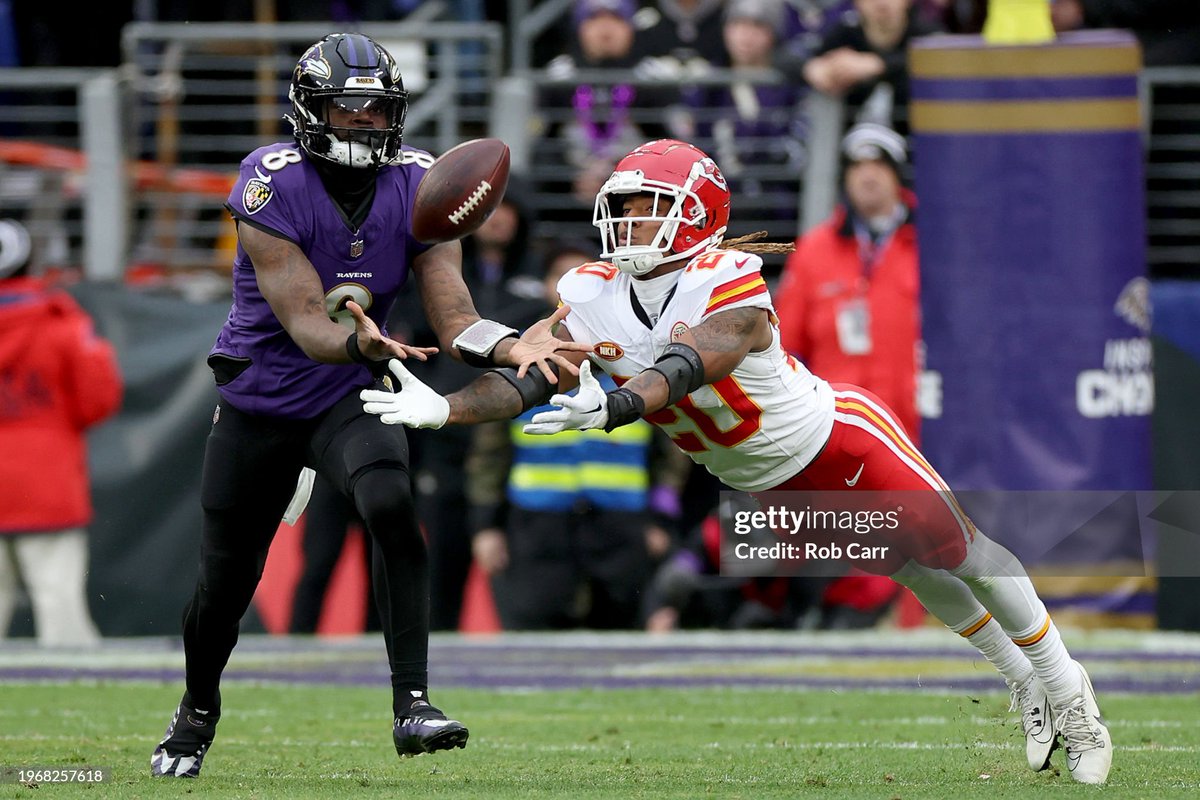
(624, 407)
(378, 368)
(355, 354)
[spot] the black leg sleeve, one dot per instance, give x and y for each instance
(249, 475)
(400, 569)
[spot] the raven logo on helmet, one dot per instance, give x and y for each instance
(317, 67)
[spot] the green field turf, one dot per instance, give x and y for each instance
(305, 741)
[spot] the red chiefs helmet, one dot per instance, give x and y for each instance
(695, 220)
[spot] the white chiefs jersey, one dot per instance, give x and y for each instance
(754, 428)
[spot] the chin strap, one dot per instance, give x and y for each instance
(635, 265)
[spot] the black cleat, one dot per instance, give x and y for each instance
(425, 729)
(182, 749)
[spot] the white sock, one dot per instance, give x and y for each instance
(991, 640)
(1045, 650)
(998, 580)
(949, 599)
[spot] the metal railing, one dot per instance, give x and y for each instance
(114, 169)
(54, 121)
(782, 183)
(129, 167)
(1171, 118)
(209, 94)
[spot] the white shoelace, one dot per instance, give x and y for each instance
(1078, 729)
(1022, 700)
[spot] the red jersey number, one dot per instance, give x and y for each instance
(733, 397)
(600, 269)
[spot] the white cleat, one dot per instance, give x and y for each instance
(1086, 737)
(1037, 721)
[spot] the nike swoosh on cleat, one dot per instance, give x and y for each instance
(1043, 728)
(852, 481)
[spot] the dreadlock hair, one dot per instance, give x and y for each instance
(750, 244)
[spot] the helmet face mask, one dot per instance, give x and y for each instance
(663, 214)
(689, 205)
(341, 83)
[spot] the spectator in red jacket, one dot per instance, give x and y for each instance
(849, 308)
(57, 378)
(849, 296)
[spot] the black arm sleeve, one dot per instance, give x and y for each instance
(534, 389)
(683, 368)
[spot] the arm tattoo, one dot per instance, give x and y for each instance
(444, 295)
(446, 304)
(726, 338)
(487, 398)
(293, 289)
(728, 331)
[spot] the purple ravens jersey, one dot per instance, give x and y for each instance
(279, 189)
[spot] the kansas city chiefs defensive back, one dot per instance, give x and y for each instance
(683, 321)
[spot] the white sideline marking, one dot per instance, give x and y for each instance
(499, 745)
(958, 746)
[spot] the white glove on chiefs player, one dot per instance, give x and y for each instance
(587, 408)
(413, 404)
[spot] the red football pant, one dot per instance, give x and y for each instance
(868, 451)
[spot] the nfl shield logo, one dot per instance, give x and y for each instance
(356, 248)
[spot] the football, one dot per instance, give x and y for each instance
(460, 191)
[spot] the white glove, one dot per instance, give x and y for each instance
(587, 408)
(414, 404)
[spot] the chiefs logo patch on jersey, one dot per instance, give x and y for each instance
(609, 351)
(256, 195)
(678, 330)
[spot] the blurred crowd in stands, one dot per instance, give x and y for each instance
(570, 551)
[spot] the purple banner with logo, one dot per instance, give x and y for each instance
(1028, 167)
